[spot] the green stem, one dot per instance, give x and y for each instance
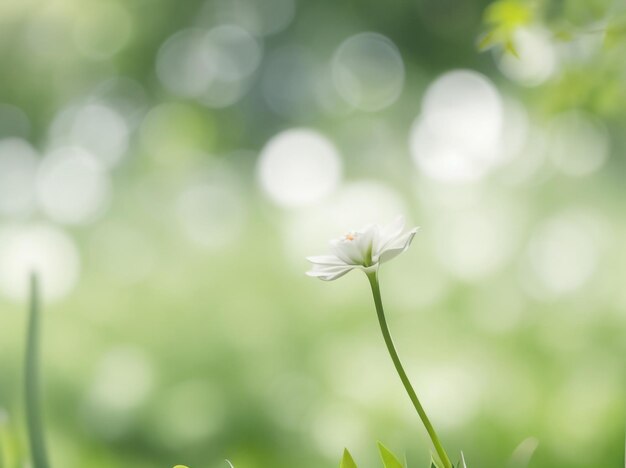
(373, 278)
(3, 450)
(7, 444)
(31, 382)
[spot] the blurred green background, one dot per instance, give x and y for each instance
(166, 167)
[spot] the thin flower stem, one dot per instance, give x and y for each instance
(31, 382)
(373, 278)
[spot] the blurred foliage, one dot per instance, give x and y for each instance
(503, 18)
(390, 460)
(595, 80)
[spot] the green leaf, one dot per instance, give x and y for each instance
(434, 463)
(508, 14)
(462, 463)
(347, 461)
(503, 19)
(488, 40)
(510, 48)
(389, 459)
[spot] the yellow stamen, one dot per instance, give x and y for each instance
(350, 236)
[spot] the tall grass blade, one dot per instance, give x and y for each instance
(31, 382)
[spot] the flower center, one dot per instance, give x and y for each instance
(350, 236)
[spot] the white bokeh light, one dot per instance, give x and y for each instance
(443, 159)
(291, 81)
(95, 127)
(468, 104)
(38, 248)
(18, 165)
(516, 130)
(212, 66)
(299, 167)
(536, 61)
(123, 380)
(260, 18)
(184, 63)
(578, 145)
(368, 71)
(72, 186)
(124, 377)
(458, 135)
(125, 96)
(238, 55)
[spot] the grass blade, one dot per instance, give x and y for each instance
(31, 383)
(347, 461)
(388, 458)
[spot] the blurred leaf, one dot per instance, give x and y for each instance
(462, 463)
(523, 453)
(488, 40)
(564, 35)
(510, 48)
(389, 459)
(503, 18)
(508, 14)
(347, 461)
(433, 462)
(615, 31)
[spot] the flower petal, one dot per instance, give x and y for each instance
(326, 260)
(397, 246)
(356, 248)
(329, 273)
(388, 234)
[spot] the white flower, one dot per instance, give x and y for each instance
(364, 249)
